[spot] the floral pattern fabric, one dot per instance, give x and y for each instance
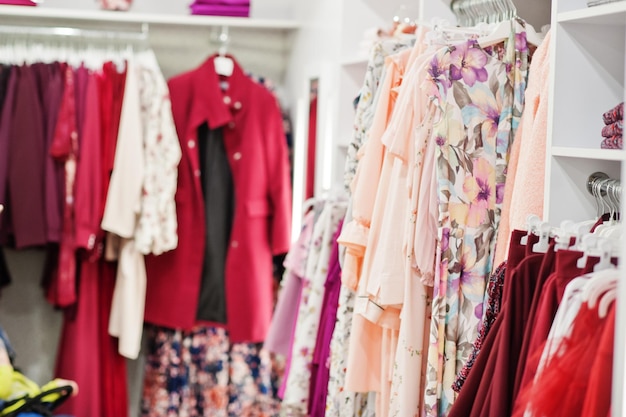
(156, 228)
(493, 304)
(365, 109)
(199, 373)
(480, 95)
(339, 402)
(296, 396)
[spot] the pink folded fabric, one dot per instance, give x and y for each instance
(223, 2)
(616, 142)
(18, 2)
(613, 115)
(613, 129)
(217, 10)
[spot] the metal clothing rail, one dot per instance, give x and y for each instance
(600, 184)
(69, 32)
(472, 12)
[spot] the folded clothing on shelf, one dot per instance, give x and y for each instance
(224, 2)
(615, 142)
(216, 10)
(613, 129)
(18, 2)
(614, 115)
(233, 8)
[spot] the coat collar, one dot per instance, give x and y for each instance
(210, 103)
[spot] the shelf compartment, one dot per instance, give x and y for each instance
(589, 62)
(589, 153)
(566, 186)
(606, 14)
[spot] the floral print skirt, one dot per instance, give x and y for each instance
(199, 373)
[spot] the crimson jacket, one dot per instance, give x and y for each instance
(257, 153)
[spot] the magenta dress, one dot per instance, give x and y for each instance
(320, 372)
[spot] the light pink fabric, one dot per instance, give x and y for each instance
(524, 190)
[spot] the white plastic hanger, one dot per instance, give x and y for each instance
(588, 242)
(542, 246)
(224, 65)
(532, 223)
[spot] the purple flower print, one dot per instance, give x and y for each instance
(478, 311)
(521, 43)
(499, 193)
(468, 63)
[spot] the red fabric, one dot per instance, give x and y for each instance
(257, 153)
(87, 354)
(598, 397)
(88, 192)
(6, 120)
(79, 353)
(474, 392)
(112, 85)
(526, 278)
(62, 291)
(311, 147)
(102, 383)
(27, 164)
(552, 294)
(560, 389)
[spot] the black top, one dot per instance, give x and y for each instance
(219, 197)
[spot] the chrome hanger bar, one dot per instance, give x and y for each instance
(76, 33)
(600, 183)
(473, 12)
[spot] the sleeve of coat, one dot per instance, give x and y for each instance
(279, 181)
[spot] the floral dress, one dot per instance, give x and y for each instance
(479, 92)
(200, 373)
(296, 396)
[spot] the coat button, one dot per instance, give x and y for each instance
(231, 125)
(191, 144)
(197, 173)
(237, 156)
(234, 244)
(237, 105)
(227, 100)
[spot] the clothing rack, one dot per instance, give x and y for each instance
(600, 184)
(68, 32)
(472, 12)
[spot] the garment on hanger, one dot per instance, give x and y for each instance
(467, 231)
(365, 107)
(260, 169)
(280, 337)
(525, 177)
(296, 398)
(320, 371)
(233, 206)
(76, 108)
(200, 372)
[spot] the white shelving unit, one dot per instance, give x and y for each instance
(588, 76)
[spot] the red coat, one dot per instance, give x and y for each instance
(257, 153)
